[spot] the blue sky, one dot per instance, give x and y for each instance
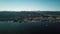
(28, 5)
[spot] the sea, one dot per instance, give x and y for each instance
(8, 27)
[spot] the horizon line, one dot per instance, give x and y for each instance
(31, 10)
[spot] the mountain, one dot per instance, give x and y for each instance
(26, 14)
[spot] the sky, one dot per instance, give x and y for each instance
(29, 5)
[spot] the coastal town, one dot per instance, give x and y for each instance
(47, 18)
(30, 16)
(42, 19)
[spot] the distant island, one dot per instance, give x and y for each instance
(30, 16)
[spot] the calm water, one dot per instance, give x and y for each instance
(28, 27)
